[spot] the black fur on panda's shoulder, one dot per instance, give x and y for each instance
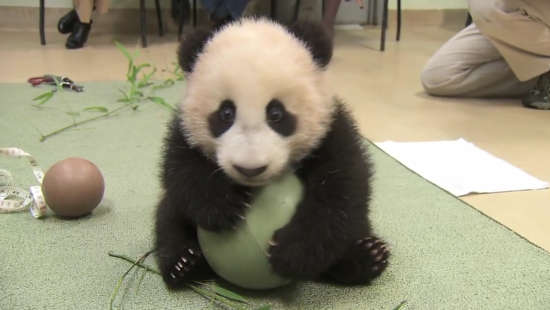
(311, 33)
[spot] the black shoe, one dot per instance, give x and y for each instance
(67, 22)
(79, 35)
(539, 96)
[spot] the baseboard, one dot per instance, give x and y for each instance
(447, 18)
(125, 20)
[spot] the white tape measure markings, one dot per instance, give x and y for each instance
(32, 199)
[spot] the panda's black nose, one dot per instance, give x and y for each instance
(250, 172)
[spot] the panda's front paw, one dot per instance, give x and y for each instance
(226, 210)
(292, 254)
(175, 270)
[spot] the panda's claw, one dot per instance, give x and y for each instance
(184, 263)
(374, 253)
(367, 260)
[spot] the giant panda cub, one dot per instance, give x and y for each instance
(258, 103)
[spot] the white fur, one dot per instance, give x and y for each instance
(251, 62)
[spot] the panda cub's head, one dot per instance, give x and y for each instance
(258, 98)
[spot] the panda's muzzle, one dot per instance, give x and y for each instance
(250, 172)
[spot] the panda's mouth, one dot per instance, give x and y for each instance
(261, 179)
(253, 181)
(256, 177)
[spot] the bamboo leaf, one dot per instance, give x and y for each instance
(57, 84)
(125, 99)
(124, 50)
(164, 84)
(134, 74)
(128, 56)
(145, 81)
(143, 65)
(160, 101)
(45, 97)
(97, 108)
(125, 95)
(228, 294)
(264, 307)
(400, 305)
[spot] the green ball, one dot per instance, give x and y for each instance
(239, 256)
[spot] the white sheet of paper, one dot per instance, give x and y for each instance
(460, 167)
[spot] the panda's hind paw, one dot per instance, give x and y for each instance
(367, 260)
(375, 253)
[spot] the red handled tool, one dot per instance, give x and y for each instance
(50, 80)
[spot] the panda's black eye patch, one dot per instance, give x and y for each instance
(222, 119)
(279, 119)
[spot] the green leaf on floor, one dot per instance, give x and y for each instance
(125, 99)
(160, 101)
(97, 108)
(264, 308)
(400, 305)
(45, 97)
(228, 294)
(146, 77)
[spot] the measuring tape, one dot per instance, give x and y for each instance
(32, 199)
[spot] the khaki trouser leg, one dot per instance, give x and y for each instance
(501, 55)
(84, 8)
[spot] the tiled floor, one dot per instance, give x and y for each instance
(382, 88)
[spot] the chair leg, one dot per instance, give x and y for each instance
(384, 26)
(41, 22)
(180, 20)
(273, 10)
(159, 18)
(297, 5)
(398, 35)
(143, 23)
(194, 13)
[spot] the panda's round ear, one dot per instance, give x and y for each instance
(317, 39)
(191, 46)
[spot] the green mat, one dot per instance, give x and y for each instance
(446, 255)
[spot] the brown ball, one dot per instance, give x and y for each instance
(73, 187)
